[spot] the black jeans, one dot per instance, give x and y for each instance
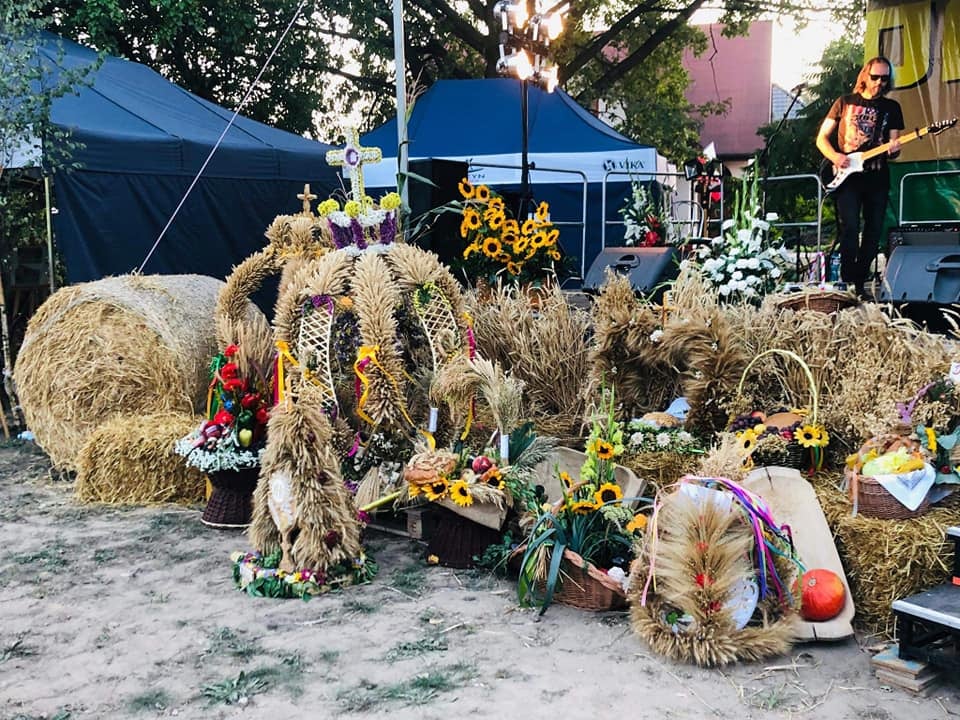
(866, 193)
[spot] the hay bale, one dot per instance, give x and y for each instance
(129, 344)
(129, 460)
(886, 560)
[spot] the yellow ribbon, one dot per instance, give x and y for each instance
(368, 353)
(283, 347)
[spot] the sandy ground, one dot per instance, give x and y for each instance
(132, 613)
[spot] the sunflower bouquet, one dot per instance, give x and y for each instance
(786, 437)
(438, 475)
(593, 521)
(502, 248)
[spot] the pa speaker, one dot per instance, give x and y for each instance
(646, 267)
(922, 274)
(442, 234)
(924, 235)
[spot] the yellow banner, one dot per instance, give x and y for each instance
(922, 40)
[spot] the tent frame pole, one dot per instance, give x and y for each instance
(525, 199)
(399, 60)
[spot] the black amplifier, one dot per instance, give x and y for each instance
(925, 235)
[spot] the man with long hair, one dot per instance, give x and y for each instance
(862, 120)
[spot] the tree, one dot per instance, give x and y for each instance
(339, 54)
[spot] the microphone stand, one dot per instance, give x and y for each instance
(764, 156)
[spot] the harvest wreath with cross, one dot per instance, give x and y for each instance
(360, 315)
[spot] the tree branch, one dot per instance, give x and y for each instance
(662, 33)
(599, 42)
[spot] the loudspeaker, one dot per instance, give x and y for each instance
(647, 267)
(924, 235)
(922, 274)
(442, 230)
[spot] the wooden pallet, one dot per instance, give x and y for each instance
(911, 675)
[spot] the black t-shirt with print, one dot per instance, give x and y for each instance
(864, 123)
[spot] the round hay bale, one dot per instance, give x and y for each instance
(130, 460)
(129, 344)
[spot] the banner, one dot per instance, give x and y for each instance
(922, 41)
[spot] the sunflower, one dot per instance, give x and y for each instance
(639, 522)
(520, 246)
(511, 226)
(496, 203)
(492, 476)
(437, 490)
(472, 218)
(602, 449)
(552, 237)
(466, 189)
(495, 220)
(460, 493)
(470, 249)
(413, 490)
(748, 439)
(504, 257)
(514, 268)
(809, 436)
(553, 254)
(529, 225)
(464, 228)
(483, 193)
(608, 492)
(491, 247)
(582, 507)
(566, 479)
(508, 237)
(539, 239)
(543, 211)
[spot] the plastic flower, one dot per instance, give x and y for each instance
(608, 492)
(638, 523)
(460, 493)
(808, 436)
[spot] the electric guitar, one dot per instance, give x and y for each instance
(833, 177)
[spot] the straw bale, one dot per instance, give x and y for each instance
(661, 468)
(886, 560)
(122, 345)
(129, 460)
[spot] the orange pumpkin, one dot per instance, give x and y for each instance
(822, 595)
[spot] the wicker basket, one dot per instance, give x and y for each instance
(586, 588)
(873, 500)
(827, 302)
(231, 502)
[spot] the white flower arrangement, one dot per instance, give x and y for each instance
(747, 260)
(645, 436)
(643, 219)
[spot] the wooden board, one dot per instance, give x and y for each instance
(793, 502)
(563, 459)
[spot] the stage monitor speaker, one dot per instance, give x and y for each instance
(922, 274)
(443, 233)
(647, 267)
(924, 235)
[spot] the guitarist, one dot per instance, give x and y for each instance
(862, 120)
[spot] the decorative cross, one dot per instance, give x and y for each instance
(352, 157)
(306, 196)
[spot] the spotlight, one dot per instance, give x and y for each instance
(517, 9)
(547, 78)
(553, 24)
(517, 63)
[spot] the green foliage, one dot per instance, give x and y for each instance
(233, 691)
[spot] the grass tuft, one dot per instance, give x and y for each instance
(149, 700)
(235, 691)
(418, 690)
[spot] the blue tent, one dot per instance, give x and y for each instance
(479, 122)
(142, 141)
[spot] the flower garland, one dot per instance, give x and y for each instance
(261, 576)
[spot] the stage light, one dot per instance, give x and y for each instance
(553, 24)
(517, 63)
(547, 78)
(517, 10)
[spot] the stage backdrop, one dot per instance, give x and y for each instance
(922, 40)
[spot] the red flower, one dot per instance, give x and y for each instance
(650, 238)
(223, 418)
(704, 580)
(229, 371)
(250, 400)
(234, 385)
(715, 196)
(231, 350)
(262, 416)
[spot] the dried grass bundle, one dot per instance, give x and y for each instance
(886, 560)
(129, 460)
(301, 448)
(129, 344)
(547, 349)
(702, 553)
(724, 459)
(661, 468)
